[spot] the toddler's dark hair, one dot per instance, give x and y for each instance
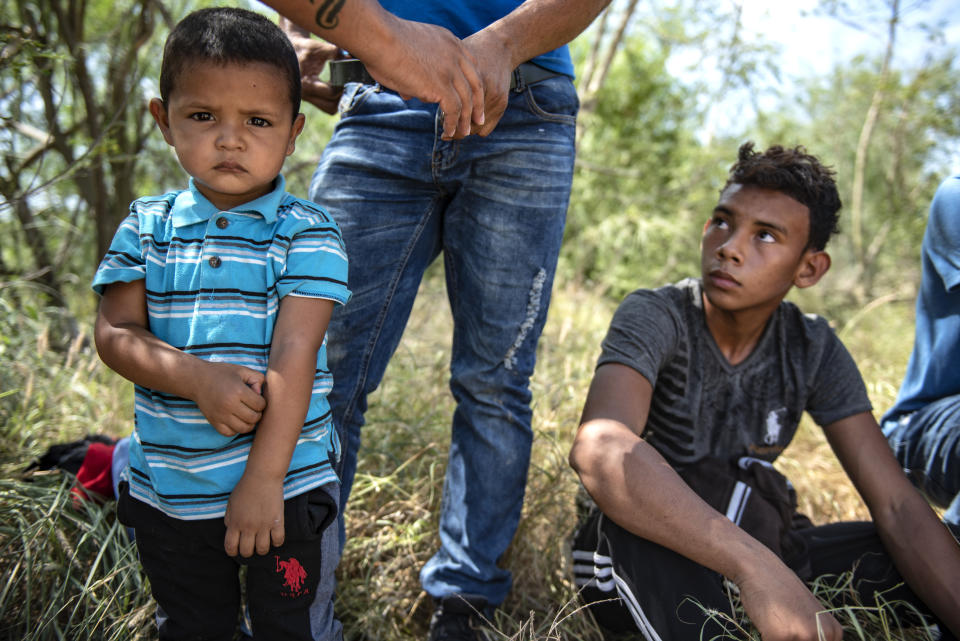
(228, 35)
(797, 174)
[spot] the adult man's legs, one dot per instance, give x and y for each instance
(501, 237)
(927, 444)
(394, 188)
(375, 179)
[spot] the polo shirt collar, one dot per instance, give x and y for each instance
(191, 207)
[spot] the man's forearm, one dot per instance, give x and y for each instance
(538, 26)
(415, 59)
(352, 24)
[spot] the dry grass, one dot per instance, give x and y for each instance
(61, 394)
(391, 521)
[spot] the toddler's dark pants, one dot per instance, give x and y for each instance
(197, 586)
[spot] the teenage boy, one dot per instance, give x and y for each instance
(215, 304)
(701, 385)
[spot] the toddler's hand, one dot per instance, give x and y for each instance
(254, 517)
(230, 398)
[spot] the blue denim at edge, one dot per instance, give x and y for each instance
(495, 207)
(927, 444)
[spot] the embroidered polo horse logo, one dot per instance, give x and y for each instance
(293, 576)
(775, 421)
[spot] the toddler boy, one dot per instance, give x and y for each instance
(215, 304)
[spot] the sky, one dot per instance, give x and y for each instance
(812, 43)
(818, 41)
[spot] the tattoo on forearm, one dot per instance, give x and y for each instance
(328, 15)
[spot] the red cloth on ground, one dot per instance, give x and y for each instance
(95, 474)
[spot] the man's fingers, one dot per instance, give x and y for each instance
(451, 110)
(476, 88)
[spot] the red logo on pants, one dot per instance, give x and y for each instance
(293, 576)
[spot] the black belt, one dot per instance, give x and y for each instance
(352, 70)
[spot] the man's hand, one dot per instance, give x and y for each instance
(254, 517)
(429, 63)
(413, 58)
(783, 609)
(313, 55)
(495, 69)
(230, 397)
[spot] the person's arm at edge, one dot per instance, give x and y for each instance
(533, 28)
(254, 515)
(313, 54)
(413, 58)
(922, 548)
(228, 395)
(633, 485)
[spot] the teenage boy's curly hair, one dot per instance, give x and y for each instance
(228, 35)
(797, 174)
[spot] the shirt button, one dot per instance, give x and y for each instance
(214, 261)
(222, 222)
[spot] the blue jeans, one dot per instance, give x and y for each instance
(495, 207)
(927, 444)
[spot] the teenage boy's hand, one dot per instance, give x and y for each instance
(254, 517)
(783, 609)
(230, 397)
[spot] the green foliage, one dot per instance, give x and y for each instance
(916, 133)
(633, 213)
(883, 619)
(78, 144)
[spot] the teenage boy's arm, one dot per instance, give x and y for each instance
(254, 515)
(922, 548)
(533, 28)
(413, 58)
(228, 395)
(633, 485)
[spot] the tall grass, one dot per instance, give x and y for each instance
(67, 571)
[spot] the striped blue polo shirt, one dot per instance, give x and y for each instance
(214, 280)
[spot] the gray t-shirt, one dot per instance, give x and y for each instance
(704, 406)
